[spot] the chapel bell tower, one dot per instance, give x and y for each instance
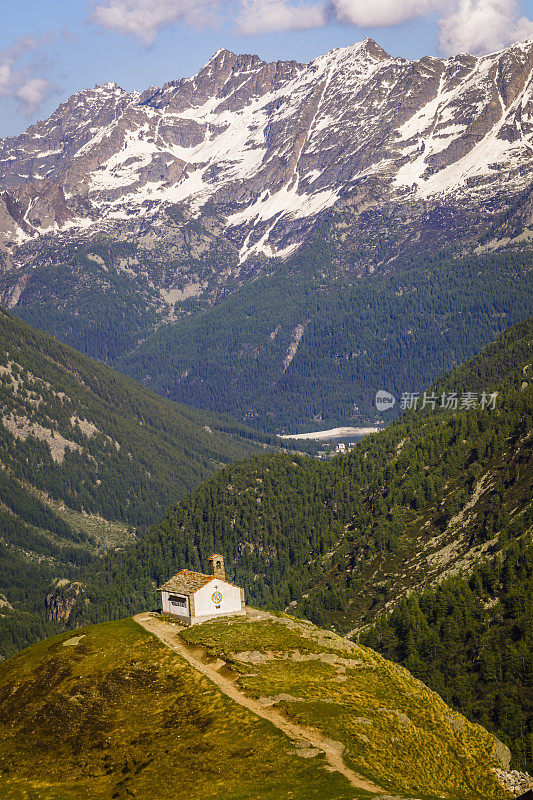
(217, 566)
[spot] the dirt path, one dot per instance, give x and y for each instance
(166, 632)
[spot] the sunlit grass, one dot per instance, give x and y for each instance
(395, 731)
(118, 715)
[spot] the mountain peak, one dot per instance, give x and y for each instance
(364, 47)
(369, 45)
(365, 52)
(222, 52)
(110, 86)
(279, 142)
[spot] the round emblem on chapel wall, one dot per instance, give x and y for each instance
(216, 597)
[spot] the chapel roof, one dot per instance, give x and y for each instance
(186, 582)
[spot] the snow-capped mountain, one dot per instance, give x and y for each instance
(187, 191)
(264, 149)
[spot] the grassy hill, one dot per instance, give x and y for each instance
(86, 457)
(108, 711)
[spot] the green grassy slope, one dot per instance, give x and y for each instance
(119, 715)
(394, 730)
(108, 711)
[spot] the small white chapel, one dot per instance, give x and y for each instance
(192, 597)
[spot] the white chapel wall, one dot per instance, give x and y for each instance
(204, 602)
(169, 608)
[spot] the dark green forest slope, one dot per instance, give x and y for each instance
(85, 299)
(436, 493)
(37, 544)
(310, 345)
(471, 639)
(86, 455)
(75, 429)
(284, 521)
(301, 344)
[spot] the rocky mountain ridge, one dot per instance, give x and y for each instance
(261, 150)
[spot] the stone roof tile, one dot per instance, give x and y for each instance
(186, 582)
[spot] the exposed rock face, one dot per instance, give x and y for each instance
(61, 600)
(516, 782)
(4, 603)
(502, 755)
(271, 147)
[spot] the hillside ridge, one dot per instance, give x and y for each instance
(136, 718)
(331, 749)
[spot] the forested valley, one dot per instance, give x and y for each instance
(89, 459)
(439, 492)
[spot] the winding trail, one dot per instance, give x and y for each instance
(312, 737)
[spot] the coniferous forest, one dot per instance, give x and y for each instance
(88, 458)
(470, 639)
(430, 314)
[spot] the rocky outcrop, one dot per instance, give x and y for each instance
(4, 603)
(60, 601)
(516, 782)
(502, 755)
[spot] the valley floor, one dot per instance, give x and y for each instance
(333, 433)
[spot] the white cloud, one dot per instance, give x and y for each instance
(476, 26)
(381, 13)
(33, 92)
(264, 16)
(524, 30)
(145, 18)
(482, 26)
(21, 76)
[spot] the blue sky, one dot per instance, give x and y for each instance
(50, 50)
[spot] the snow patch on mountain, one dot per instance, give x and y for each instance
(273, 144)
